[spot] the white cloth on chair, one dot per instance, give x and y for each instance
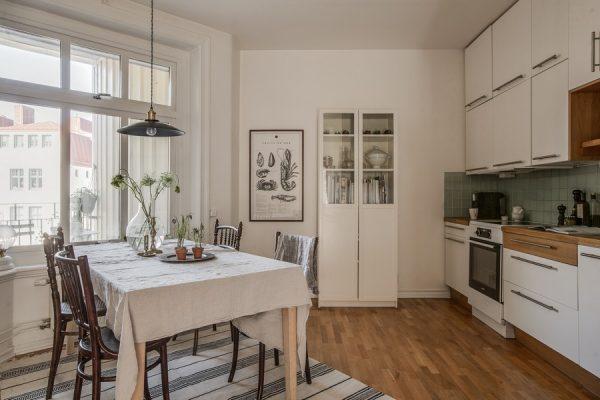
(301, 250)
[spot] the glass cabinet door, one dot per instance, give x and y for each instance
(338, 146)
(377, 158)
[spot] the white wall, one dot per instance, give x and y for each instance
(284, 89)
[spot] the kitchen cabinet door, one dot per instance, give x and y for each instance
(511, 47)
(584, 50)
(456, 263)
(550, 115)
(512, 128)
(478, 69)
(479, 139)
(549, 33)
(589, 309)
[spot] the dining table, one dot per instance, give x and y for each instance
(148, 299)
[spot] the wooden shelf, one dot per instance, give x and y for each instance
(591, 143)
(338, 169)
(336, 135)
(378, 170)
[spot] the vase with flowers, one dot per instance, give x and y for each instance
(197, 235)
(144, 232)
(182, 228)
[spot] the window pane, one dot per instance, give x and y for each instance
(139, 82)
(95, 71)
(34, 59)
(149, 156)
(95, 159)
(29, 176)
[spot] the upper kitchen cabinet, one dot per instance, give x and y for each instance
(511, 126)
(479, 139)
(549, 33)
(511, 47)
(584, 42)
(478, 70)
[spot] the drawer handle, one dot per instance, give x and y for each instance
(539, 303)
(541, 63)
(509, 82)
(508, 163)
(475, 169)
(535, 263)
(546, 157)
(590, 256)
(543, 246)
(45, 324)
(476, 100)
(455, 240)
(455, 227)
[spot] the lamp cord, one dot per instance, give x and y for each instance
(151, 53)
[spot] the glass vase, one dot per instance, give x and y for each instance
(142, 236)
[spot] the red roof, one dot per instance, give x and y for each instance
(81, 150)
(47, 126)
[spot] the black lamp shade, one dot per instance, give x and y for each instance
(141, 129)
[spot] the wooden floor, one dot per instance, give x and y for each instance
(432, 349)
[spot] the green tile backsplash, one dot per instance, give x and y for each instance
(539, 192)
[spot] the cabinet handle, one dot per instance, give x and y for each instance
(539, 303)
(489, 246)
(534, 263)
(590, 256)
(543, 246)
(45, 324)
(476, 100)
(475, 169)
(552, 57)
(594, 40)
(42, 282)
(455, 227)
(546, 157)
(455, 240)
(508, 163)
(509, 82)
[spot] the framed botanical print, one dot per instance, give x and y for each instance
(277, 175)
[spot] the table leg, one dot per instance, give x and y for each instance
(140, 351)
(289, 321)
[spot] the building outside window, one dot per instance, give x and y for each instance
(33, 141)
(16, 178)
(4, 141)
(46, 141)
(35, 212)
(19, 141)
(16, 213)
(35, 178)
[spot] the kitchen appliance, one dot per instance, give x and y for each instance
(518, 213)
(492, 205)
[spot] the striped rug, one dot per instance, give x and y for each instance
(191, 377)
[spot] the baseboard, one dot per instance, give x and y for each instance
(424, 294)
(336, 303)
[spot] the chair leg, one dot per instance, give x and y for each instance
(231, 328)
(307, 370)
(164, 371)
(96, 370)
(147, 395)
(59, 339)
(261, 371)
(78, 380)
(215, 327)
(276, 357)
(236, 346)
(195, 349)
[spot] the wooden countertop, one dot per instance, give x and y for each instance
(593, 241)
(457, 220)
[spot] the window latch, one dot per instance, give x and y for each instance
(100, 96)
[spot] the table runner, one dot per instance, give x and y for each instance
(147, 299)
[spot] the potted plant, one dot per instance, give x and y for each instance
(197, 235)
(182, 227)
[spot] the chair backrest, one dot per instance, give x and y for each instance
(53, 244)
(316, 245)
(229, 236)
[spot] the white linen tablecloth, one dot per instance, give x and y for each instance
(147, 299)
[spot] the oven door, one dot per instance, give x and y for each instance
(485, 266)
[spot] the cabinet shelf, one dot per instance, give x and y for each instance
(337, 135)
(378, 170)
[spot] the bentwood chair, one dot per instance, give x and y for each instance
(98, 343)
(281, 255)
(61, 311)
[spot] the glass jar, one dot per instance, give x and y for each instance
(140, 227)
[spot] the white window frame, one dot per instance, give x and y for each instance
(68, 100)
(38, 179)
(21, 179)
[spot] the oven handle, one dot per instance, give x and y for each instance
(489, 246)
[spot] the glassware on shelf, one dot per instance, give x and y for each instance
(377, 158)
(327, 162)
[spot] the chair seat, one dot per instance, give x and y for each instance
(112, 343)
(65, 309)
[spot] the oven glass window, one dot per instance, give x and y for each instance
(484, 266)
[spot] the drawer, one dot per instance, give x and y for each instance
(552, 323)
(546, 248)
(551, 279)
(455, 229)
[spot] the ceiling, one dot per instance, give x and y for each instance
(342, 24)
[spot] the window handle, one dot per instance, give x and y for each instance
(100, 96)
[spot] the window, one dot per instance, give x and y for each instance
(4, 141)
(35, 178)
(35, 212)
(24, 51)
(95, 71)
(76, 172)
(16, 178)
(139, 82)
(33, 141)
(19, 141)
(16, 214)
(46, 141)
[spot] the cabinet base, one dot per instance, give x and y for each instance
(356, 303)
(504, 329)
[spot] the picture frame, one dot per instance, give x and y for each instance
(276, 175)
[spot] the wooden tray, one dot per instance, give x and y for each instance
(172, 258)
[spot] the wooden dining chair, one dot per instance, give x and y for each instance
(62, 313)
(97, 343)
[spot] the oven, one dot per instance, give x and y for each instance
(485, 264)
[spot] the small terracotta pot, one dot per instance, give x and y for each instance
(197, 252)
(181, 253)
